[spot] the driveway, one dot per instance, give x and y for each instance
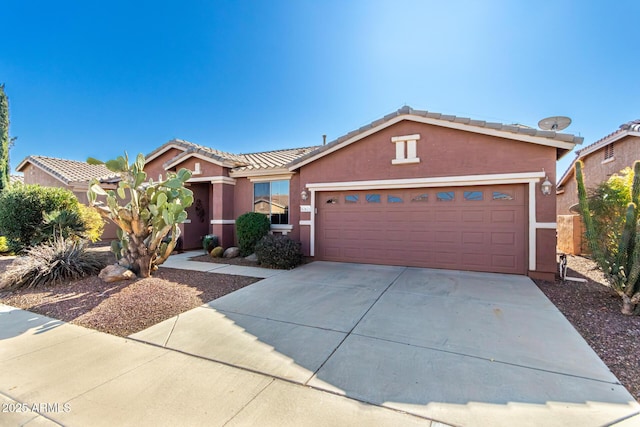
(469, 349)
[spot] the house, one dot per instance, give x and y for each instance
(69, 174)
(413, 188)
(601, 159)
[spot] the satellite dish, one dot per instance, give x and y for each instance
(554, 123)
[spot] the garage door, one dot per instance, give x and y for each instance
(466, 228)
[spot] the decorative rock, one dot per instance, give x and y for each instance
(115, 273)
(231, 252)
(217, 252)
(252, 257)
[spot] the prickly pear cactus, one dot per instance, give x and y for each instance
(146, 212)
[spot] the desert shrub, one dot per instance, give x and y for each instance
(22, 208)
(92, 221)
(217, 252)
(279, 252)
(250, 228)
(51, 263)
(4, 248)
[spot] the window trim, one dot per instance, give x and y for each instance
(270, 215)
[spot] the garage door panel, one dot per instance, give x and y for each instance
(498, 238)
(479, 232)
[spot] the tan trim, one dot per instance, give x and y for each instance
(413, 137)
(222, 221)
(532, 226)
(180, 158)
(164, 150)
(442, 123)
(547, 225)
(609, 160)
(445, 181)
(405, 161)
(214, 180)
(257, 173)
(269, 178)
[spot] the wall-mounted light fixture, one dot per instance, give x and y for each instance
(546, 186)
(304, 195)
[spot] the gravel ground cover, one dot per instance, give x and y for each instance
(594, 310)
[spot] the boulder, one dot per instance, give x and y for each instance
(231, 252)
(217, 252)
(115, 273)
(252, 257)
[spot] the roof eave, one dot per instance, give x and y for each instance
(250, 173)
(606, 141)
(380, 125)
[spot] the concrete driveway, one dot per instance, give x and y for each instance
(468, 349)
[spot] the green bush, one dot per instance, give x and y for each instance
(4, 248)
(217, 252)
(51, 263)
(250, 228)
(22, 208)
(279, 252)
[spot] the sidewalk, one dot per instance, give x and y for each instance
(54, 373)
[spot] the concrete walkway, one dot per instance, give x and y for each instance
(324, 344)
(182, 262)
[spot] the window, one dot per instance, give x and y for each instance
(351, 198)
(394, 199)
(420, 198)
(499, 195)
(373, 198)
(272, 199)
(445, 196)
(473, 195)
(608, 151)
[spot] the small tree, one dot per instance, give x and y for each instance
(4, 139)
(153, 210)
(612, 231)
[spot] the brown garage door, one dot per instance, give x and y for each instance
(466, 228)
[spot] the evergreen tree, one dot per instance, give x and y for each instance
(4, 139)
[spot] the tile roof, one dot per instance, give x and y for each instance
(264, 160)
(69, 171)
(516, 129)
(273, 159)
(211, 153)
(16, 178)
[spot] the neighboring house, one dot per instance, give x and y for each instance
(413, 188)
(69, 174)
(601, 159)
(13, 179)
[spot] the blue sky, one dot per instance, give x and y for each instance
(87, 78)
